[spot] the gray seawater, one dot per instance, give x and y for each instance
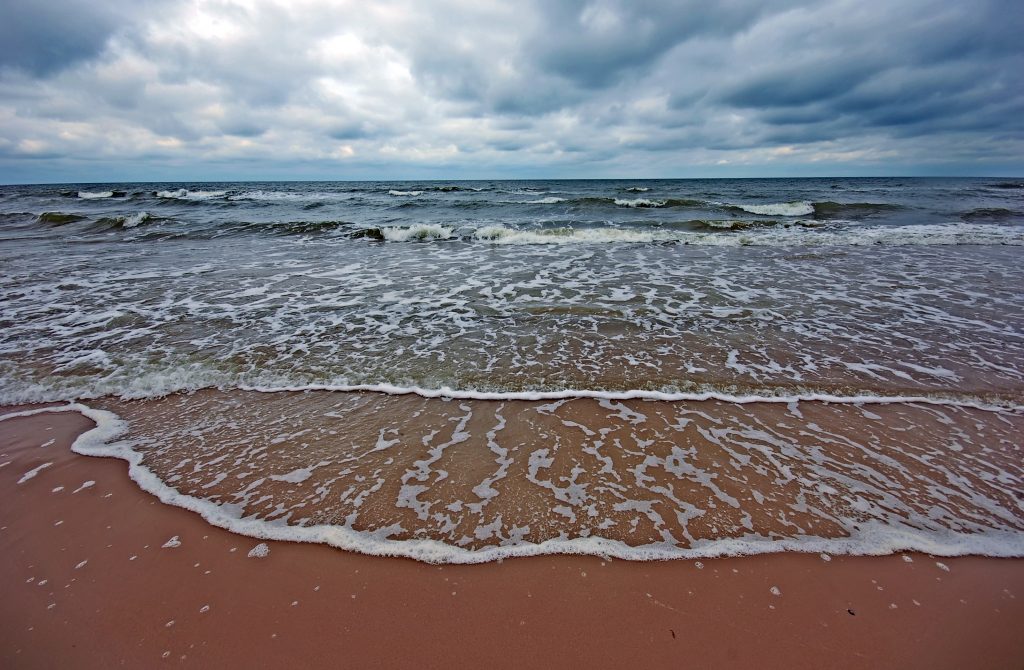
(848, 286)
(654, 369)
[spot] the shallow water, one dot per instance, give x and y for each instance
(575, 354)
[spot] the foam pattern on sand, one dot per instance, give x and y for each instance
(468, 482)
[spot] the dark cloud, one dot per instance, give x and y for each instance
(595, 43)
(44, 37)
(589, 87)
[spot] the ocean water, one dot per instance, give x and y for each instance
(464, 371)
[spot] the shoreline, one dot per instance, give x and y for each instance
(318, 606)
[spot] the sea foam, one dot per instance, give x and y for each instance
(733, 234)
(423, 231)
(185, 194)
(802, 208)
(870, 538)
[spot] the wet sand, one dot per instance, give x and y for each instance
(103, 575)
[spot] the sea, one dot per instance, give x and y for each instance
(468, 371)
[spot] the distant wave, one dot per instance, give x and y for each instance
(275, 196)
(640, 202)
(419, 190)
(583, 201)
(450, 188)
(185, 194)
(99, 195)
(629, 202)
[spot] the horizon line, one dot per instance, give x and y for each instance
(486, 179)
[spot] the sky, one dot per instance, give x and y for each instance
(190, 90)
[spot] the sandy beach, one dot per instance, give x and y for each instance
(556, 334)
(97, 573)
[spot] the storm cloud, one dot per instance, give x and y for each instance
(206, 89)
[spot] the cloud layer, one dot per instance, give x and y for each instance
(200, 89)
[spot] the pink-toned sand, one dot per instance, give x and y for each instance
(87, 582)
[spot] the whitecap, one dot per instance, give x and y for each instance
(185, 194)
(801, 208)
(423, 231)
(132, 220)
(639, 202)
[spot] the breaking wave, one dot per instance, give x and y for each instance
(185, 194)
(127, 221)
(802, 234)
(802, 208)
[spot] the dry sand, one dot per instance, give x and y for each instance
(102, 575)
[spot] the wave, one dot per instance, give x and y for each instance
(414, 233)
(584, 201)
(273, 196)
(826, 209)
(747, 224)
(1008, 184)
(867, 537)
(798, 234)
(638, 189)
(127, 221)
(99, 195)
(283, 227)
(503, 235)
(451, 188)
(851, 210)
(305, 227)
(667, 202)
(796, 208)
(59, 218)
(639, 202)
(185, 194)
(598, 201)
(991, 214)
(419, 190)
